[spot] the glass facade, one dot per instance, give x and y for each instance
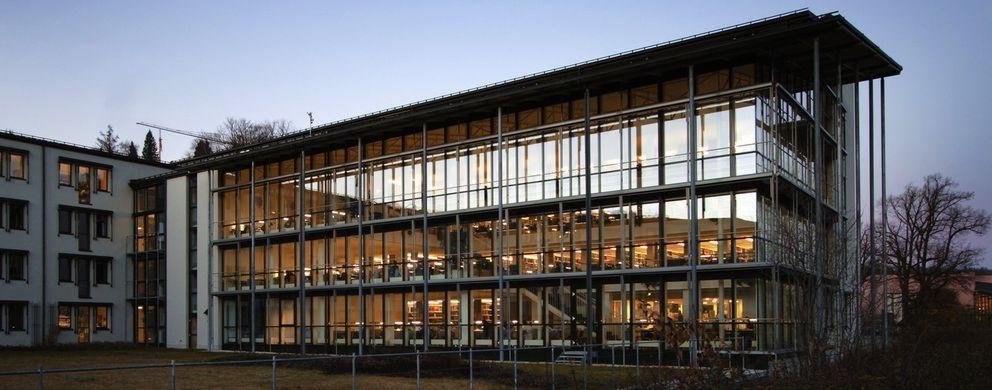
(361, 227)
(148, 265)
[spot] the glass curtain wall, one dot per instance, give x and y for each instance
(457, 185)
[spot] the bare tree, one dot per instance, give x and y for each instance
(929, 241)
(238, 132)
(107, 141)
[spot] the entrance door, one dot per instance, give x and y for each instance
(82, 324)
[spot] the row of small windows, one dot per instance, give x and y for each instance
(78, 222)
(74, 317)
(667, 91)
(13, 165)
(79, 268)
(13, 265)
(85, 178)
(13, 214)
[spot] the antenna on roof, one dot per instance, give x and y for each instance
(199, 135)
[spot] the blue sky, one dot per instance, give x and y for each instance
(68, 69)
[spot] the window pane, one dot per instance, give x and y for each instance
(17, 166)
(65, 174)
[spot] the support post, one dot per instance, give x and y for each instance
(354, 377)
(873, 280)
(361, 247)
(516, 357)
(588, 249)
(273, 372)
(693, 225)
(637, 361)
(885, 268)
(500, 329)
(172, 384)
(425, 329)
(41, 378)
(418, 370)
(471, 371)
(819, 321)
(552, 367)
(301, 278)
(857, 199)
(251, 251)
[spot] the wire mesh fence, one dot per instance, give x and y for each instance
(599, 366)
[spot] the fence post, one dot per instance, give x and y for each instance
(471, 371)
(273, 372)
(552, 367)
(637, 352)
(354, 383)
(41, 378)
(418, 369)
(173, 375)
(516, 357)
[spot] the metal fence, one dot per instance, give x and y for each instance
(553, 366)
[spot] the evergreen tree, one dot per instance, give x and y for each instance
(107, 141)
(131, 149)
(150, 150)
(201, 147)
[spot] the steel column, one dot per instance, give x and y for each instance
(251, 249)
(588, 249)
(423, 230)
(301, 278)
(500, 335)
(885, 267)
(693, 224)
(818, 177)
(361, 246)
(873, 286)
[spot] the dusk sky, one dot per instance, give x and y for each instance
(68, 69)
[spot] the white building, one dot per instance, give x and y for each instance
(65, 230)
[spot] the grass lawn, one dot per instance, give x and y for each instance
(222, 376)
(377, 373)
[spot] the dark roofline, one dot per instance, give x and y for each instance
(801, 20)
(35, 140)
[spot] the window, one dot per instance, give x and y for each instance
(101, 320)
(17, 168)
(15, 316)
(16, 217)
(102, 225)
(65, 270)
(102, 180)
(83, 185)
(85, 177)
(102, 274)
(65, 174)
(65, 222)
(65, 317)
(16, 265)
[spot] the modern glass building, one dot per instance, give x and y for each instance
(708, 181)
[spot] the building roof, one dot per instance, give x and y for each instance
(35, 140)
(781, 36)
